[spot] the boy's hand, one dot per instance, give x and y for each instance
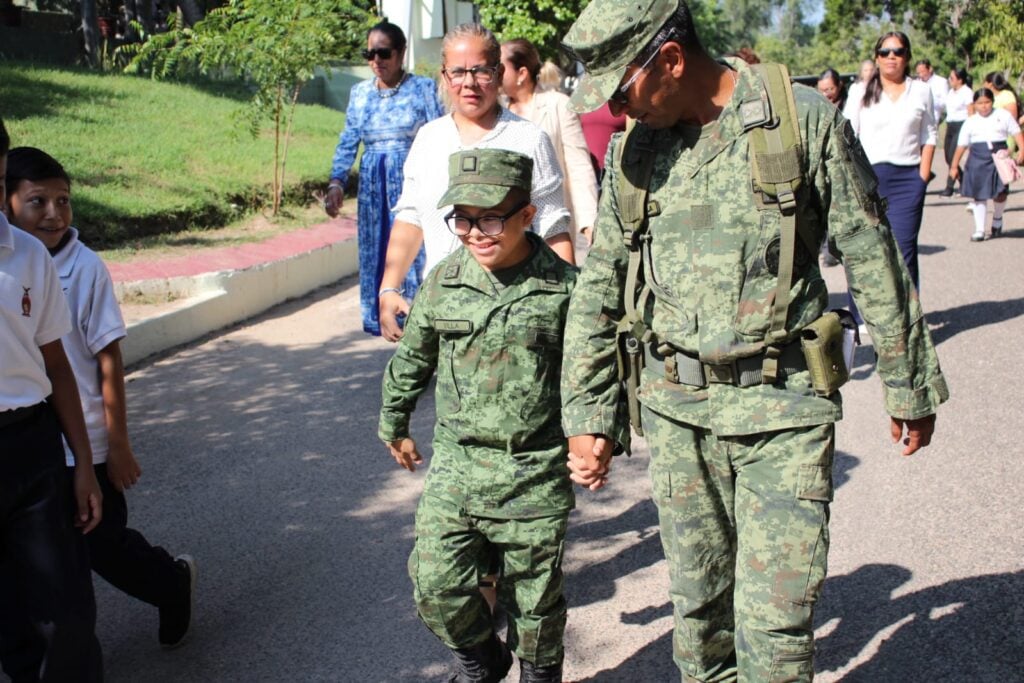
(88, 499)
(589, 460)
(405, 454)
(123, 469)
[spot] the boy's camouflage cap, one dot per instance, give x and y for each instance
(607, 37)
(483, 177)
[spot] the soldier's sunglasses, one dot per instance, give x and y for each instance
(620, 97)
(382, 52)
(489, 225)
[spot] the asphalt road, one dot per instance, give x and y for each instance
(260, 458)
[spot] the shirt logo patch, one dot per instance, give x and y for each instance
(26, 303)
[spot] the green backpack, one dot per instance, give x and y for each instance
(776, 175)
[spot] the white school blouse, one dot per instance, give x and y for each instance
(894, 131)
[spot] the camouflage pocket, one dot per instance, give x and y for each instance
(538, 371)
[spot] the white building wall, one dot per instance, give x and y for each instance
(425, 22)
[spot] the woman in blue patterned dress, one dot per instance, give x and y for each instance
(383, 113)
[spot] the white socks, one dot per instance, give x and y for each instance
(979, 209)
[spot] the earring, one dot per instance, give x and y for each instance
(519, 82)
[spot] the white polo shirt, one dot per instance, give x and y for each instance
(894, 131)
(96, 322)
(426, 179)
(33, 313)
(957, 102)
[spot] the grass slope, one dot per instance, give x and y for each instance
(148, 157)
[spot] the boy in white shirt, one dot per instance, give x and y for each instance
(46, 593)
(39, 200)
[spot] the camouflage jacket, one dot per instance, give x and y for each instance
(499, 450)
(711, 272)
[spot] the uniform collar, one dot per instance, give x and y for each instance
(66, 258)
(6, 233)
(541, 270)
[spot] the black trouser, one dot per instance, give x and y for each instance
(45, 585)
(949, 148)
(125, 559)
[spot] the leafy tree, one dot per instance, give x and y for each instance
(274, 44)
(542, 22)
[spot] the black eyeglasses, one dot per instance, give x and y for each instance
(895, 51)
(483, 75)
(489, 225)
(382, 52)
(620, 97)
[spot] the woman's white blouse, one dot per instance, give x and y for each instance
(894, 131)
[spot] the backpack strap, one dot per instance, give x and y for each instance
(776, 163)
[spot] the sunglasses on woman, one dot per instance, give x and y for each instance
(895, 51)
(382, 52)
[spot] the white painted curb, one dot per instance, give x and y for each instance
(216, 300)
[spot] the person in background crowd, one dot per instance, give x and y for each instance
(1006, 98)
(384, 113)
(983, 134)
(895, 121)
(550, 111)
(598, 127)
(550, 77)
(958, 106)
(938, 85)
(856, 89)
(830, 84)
(472, 72)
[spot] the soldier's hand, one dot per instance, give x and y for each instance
(391, 305)
(589, 460)
(405, 453)
(919, 432)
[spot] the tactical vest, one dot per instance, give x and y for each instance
(776, 154)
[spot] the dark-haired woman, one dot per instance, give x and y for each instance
(830, 84)
(895, 121)
(550, 111)
(958, 106)
(384, 113)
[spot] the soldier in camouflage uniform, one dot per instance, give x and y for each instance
(489, 319)
(741, 466)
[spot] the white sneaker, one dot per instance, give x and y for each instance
(978, 237)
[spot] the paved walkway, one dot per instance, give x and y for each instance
(237, 257)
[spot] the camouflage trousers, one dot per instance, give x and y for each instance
(744, 526)
(452, 552)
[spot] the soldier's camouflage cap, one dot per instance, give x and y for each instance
(484, 177)
(607, 37)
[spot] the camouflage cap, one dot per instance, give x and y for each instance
(483, 177)
(607, 37)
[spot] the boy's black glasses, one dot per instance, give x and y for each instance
(382, 52)
(489, 225)
(895, 51)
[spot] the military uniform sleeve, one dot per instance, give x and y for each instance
(912, 380)
(409, 371)
(591, 391)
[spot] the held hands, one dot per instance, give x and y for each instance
(123, 470)
(88, 499)
(919, 432)
(333, 200)
(589, 460)
(392, 304)
(405, 453)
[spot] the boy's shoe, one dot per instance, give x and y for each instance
(978, 237)
(531, 673)
(176, 619)
(487, 662)
(997, 227)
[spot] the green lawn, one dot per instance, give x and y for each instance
(147, 157)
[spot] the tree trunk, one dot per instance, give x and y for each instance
(90, 32)
(142, 12)
(191, 11)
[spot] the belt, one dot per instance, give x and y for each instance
(9, 417)
(682, 368)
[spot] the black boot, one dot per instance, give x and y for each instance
(531, 673)
(487, 662)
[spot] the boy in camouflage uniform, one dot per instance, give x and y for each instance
(489, 320)
(741, 445)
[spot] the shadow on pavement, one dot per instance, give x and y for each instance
(972, 626)
(952, 321)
